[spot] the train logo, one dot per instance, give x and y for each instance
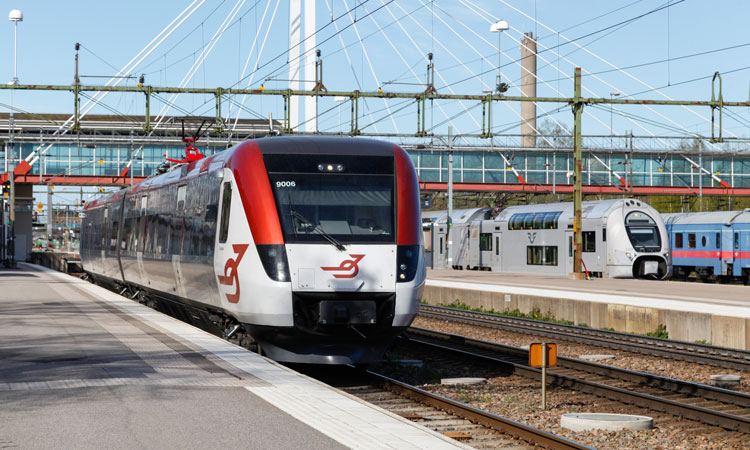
(230, 272)
(532, 237)
(346, 266)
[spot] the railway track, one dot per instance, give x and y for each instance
(646, 345)
(469, 425)
(710, 405)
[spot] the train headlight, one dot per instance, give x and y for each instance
(330, 167)
(273, 257)
(629, 255)
(407, 260)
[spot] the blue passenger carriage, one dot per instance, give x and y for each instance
(714, 245)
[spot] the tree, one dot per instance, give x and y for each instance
(553, 134)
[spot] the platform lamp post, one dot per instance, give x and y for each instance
(498, 27)
(15, 16)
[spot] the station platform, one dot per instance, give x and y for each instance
(85, 368)
(716, 314)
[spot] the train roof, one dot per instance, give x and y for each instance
(713, 217)
(589, 210)
(271, 145)
(459, 215)
(329, 145)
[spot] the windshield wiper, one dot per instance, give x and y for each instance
(318, 229)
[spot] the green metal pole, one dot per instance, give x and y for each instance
(76, 106)
(147, 125)
(578, 179)
(218, 94)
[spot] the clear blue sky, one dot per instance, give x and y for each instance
(113, 34)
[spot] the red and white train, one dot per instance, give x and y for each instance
(310, 247)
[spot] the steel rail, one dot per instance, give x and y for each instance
(667, 348)
(517, 357)
(484, 418)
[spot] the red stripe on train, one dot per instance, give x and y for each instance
(710, 254)
(254, 187)
(407, 186)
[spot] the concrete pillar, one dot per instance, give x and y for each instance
(528, 89)
(295, 28)
(311, 103)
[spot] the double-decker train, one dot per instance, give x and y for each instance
(308, 247)
(622, 238)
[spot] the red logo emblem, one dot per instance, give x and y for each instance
(346, 266)
(230, 272)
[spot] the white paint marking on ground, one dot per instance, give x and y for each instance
(342, 417)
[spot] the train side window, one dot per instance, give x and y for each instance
(113, 236)
(678, 240)
(225, 206)
(181, 196)
(736, 241)
(703, 241)
(570, 246)
(540, 255)
(604, 235)
(718, 240)
(589, 241)
(691, 240)
(497, 245)
(485, 241)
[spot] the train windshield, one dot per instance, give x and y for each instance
(642, 231)
(335, 206)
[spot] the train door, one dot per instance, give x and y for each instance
(496, 258)
(569, 236)
(427, 229)
(459, 251)
(178, 232)
(440, 246)
(474, 245)
(486, 245)
(725, 247)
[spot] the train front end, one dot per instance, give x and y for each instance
(639, 243)
(340, 246)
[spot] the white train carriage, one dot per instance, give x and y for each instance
(308, 246)
(623, 238)
(445, 254)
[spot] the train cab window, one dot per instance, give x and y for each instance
(589, 241)
(226, 204)
(678, 240)
(718, 240)
(485, 241)
(703, 241)
(691, 240)
(736, 241)
(643, 232)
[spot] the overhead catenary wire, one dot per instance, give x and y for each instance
(131, 65)
(629, 75)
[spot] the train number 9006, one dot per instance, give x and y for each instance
(285, 184)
